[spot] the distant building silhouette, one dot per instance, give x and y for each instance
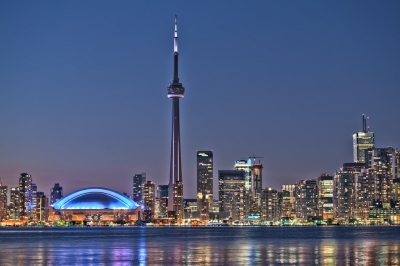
(56, 193)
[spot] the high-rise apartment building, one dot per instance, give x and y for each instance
(325, 196)
(306, 199)
(175, 92)
(365, 192)
(288, 208)
(26, 204)
(234, 198)
(14, 204)
(253, 172)
(149, 200)
(42, 208)
(362, 141)
(3, 202)
(344, 190)
(139, 180)
(204, 184)
(382, 162)
(162, 201)
(56, 193)
(271, 204)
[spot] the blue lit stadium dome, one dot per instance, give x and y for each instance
(95, 198)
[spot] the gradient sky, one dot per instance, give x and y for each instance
(83, 99)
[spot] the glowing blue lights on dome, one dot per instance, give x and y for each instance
(95, 198)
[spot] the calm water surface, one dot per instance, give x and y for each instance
(200, 246)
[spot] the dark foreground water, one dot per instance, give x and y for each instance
(200, 246)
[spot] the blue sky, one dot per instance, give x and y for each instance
(83, 98)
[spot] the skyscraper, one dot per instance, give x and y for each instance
(139, 180)
(325, 196)
(234, 198)
(56, 193)
(204, 183)
(3, 202)
(25, 197)
(14, 203)
(149, 200)
(175, 91)
(362, 141)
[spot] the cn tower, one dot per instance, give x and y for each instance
(175, 92)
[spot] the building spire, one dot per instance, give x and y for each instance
(176, 35)
(176, 79)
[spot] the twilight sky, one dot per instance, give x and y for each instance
(83, 99)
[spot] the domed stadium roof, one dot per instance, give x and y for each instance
(95, 198)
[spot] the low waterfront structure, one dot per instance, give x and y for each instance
(96, 206)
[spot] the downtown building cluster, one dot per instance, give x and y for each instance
(27, 204)
(365, 191)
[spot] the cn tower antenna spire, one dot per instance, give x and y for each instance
(176, 35)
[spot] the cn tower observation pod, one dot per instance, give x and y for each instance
(95, 198)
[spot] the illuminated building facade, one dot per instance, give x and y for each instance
(56, 193)
(26, 204)
(253, 185)
(14, 204)
(234, 198)
(306, 199)
(271, 204)
(288, 200)
(382, 163)
(175, 92)
(362, 141)
(344, 190)
(42, 207)
(3, 202)
(95, 206)
(162, 199)
(139, 180)
(365, 192)
(149, 200)
(325, 196)
(204, 184)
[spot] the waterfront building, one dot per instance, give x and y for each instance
(382, 162)
(396, 189)
(288, 208)
(362, 141)
(204, 184)
(149, 200)
(95, 206)
(25, 197)
(175, 92)
(233, 196)
(42, 208)
(344, 192)
(253, 185)
(139, 180)
(306, 194)
(162, 197)
(3, 202)
(14, 204)
(325, 196)
(365, 192)
(271, 204)
(56, 193)
(190, 209)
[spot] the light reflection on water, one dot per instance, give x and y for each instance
(193, 246)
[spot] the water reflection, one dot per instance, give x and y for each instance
(145, 246)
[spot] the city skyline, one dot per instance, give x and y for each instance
(84, 99)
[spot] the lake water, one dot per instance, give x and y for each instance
(334, 245)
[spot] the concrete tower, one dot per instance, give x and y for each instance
(175, 92)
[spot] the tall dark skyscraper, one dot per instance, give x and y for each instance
(175, 92)
(56, 193)
(204, 183)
